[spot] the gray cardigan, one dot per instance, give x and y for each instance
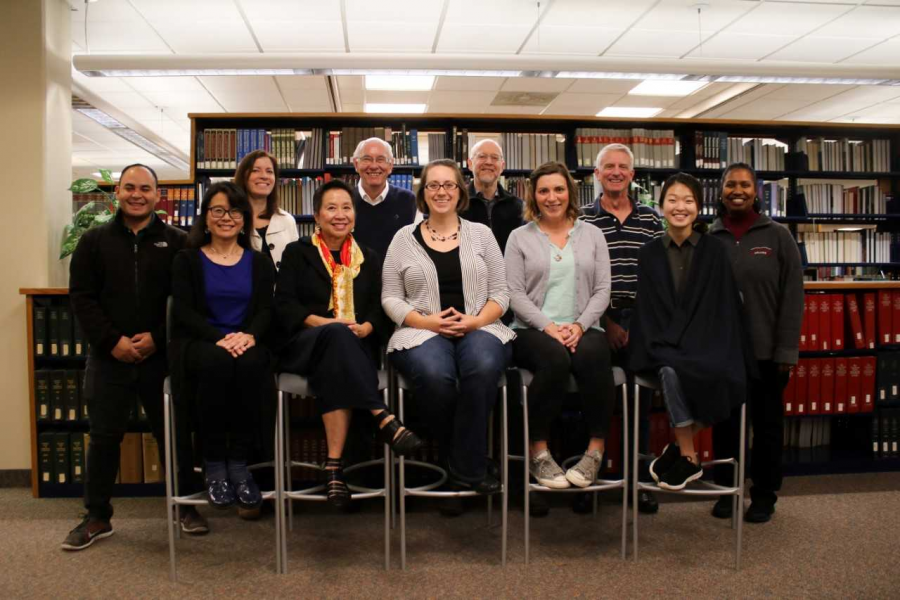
(528, 270)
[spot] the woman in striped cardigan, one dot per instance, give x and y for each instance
(444, 285)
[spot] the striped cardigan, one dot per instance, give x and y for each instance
(410, 282)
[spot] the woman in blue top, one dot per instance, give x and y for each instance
(222, 292)
(557, 269)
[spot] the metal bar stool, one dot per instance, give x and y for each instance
(700, 487)
(599, 484)
(428, 490)
(289, 383)
(174, 500)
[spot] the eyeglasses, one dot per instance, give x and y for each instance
(485, 157)
(217, 212)
(448, 186)
(378, 160)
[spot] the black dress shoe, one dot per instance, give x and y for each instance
(247, 493)
(759, 513)
(723, 508)
(582, 503)
(647, 503)
(220, 493)
(451, 507)
(488, 485)
(538, 505)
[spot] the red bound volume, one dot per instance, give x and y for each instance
(813, 381)
(825, 340)
(895, 317)
(837, 321)
(826, 385)
(706, 439)
(885, 309)
(804, 325)
(802, 387)
(812, 340)
(854, 384)
(856, 330)
(790, 392)
(867, 393)
(840, 385)
(869, 319)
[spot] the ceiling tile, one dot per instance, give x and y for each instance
(366, 36)
(682, 16)
(612, 15)
(395, 97)
(206, 35)
(200, 99)
(515, 110)
(307, 100)
(555, 110)
(774, 18)
(106, 11)
(226, 83)
(740, 46)
(766, 109)
(468, 83)
(875, 22)
(291, 10)
(165, 84)
(451, 101)
(301, 82)
(656, 101)
(395, 11)
(570, 40)
(816, 49)
(662, 43)
(350, 82)
(119, 37)
(495, 13)
(586, 101)
(603, 86)
(190, 13)
(877, 55)
(488, 37)
(536, 84)
(101, 84)
(281, 36)
(251, 102)
(804, 91)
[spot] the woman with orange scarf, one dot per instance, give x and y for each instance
(329, 318)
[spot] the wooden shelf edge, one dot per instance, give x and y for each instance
(850, 285)
(44, 291)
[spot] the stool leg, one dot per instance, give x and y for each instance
(173, 452)
(170, 504)
(279, 484)
(402, 493)
(634, 474)
(504, 461)
(490, 448)
(526, 455)
(625, 472)
(740, 520)
(388, 457)
(289, 463)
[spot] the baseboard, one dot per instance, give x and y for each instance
(15, 478)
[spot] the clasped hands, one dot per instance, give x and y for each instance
(237, 343)
(567, 334)
(134, 349)
(451, 323)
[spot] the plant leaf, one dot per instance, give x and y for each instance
(107, 176)
(103, 218)
(71, 236)
(83, 186)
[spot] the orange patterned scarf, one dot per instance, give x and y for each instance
(342, 275)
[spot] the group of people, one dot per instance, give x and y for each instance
(474, 280)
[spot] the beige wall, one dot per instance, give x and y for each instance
(35, 168)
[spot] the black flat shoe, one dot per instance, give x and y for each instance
(723, 508)
(336, 489)
(759, 513)
(451, 507)
(647, 503)
(488, 485)
(403, 443)
(220, 493)
(248, 494)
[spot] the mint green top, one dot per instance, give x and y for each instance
(559, 302)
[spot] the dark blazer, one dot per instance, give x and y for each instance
(304, 289)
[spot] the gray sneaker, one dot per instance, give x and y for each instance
(585, 472)
(547, 473)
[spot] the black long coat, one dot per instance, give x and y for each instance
(700, 332)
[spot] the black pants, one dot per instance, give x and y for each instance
(111, 389)
(229, 393)
(552, 364)
(339, 365)
(767, 419)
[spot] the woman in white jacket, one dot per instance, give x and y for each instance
(273, 228)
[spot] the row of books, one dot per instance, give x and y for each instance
(296, 195)
(858, 156)
(531, 150)
(56, 332)
(717, 150)
(404, 143)
(836, 198)
(62, 458)
(834, 386)
(180, 206)
(219, 148)
(807, 432)
(866, 246)
(437, 146)
(873, 319)
(886, 434)
(652, 148)
(59, 395)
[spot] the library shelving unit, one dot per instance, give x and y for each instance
(56, 360)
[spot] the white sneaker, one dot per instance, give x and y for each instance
(547, 473)
(585, 472)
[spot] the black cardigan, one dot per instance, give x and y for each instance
(304, 289)
(699, 333)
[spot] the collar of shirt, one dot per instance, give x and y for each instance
(377, 199)
(499, 195)
(693, 239)
(143, 230)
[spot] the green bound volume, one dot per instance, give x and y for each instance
(61, 457)
(57, 395)
(77, 455)
(78, 348)
(45, 457)
(65, 331)
(82, 395)
(42, 395)
(53, 330)
(40, 330)
(72, 408)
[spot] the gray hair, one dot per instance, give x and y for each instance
(475, 148)
(613, 148)
(358, 152)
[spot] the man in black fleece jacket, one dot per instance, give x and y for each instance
(120, 277)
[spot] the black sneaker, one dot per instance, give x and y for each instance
(583, 503)
(759, 513)
(723, 508)
(193, 522)
(670, 455)
(538, 505)
(451, 507)
(87, 532)
(680, 474)
(647, 503)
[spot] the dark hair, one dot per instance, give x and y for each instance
(199, 234)
(334, 184)
(463, 203)
(691, 183)
(532, 211)
(243, 173)
(721, 210)
(139, 166)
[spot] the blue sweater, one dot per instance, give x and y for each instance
(376, 225)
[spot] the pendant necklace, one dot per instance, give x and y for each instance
(436, 237)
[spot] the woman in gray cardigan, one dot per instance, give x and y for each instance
(558, 273)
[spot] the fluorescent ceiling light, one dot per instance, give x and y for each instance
(663, 87)
(610, 75)
(641, 112)
(395, 108)
(850, 228)
(402, 83)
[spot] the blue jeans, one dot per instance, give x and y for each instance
(457, 415)
(679, 411)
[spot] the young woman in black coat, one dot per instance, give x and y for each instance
(222, 292)
(688, 329)
(330, 323)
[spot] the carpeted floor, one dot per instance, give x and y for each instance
(832, 537)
